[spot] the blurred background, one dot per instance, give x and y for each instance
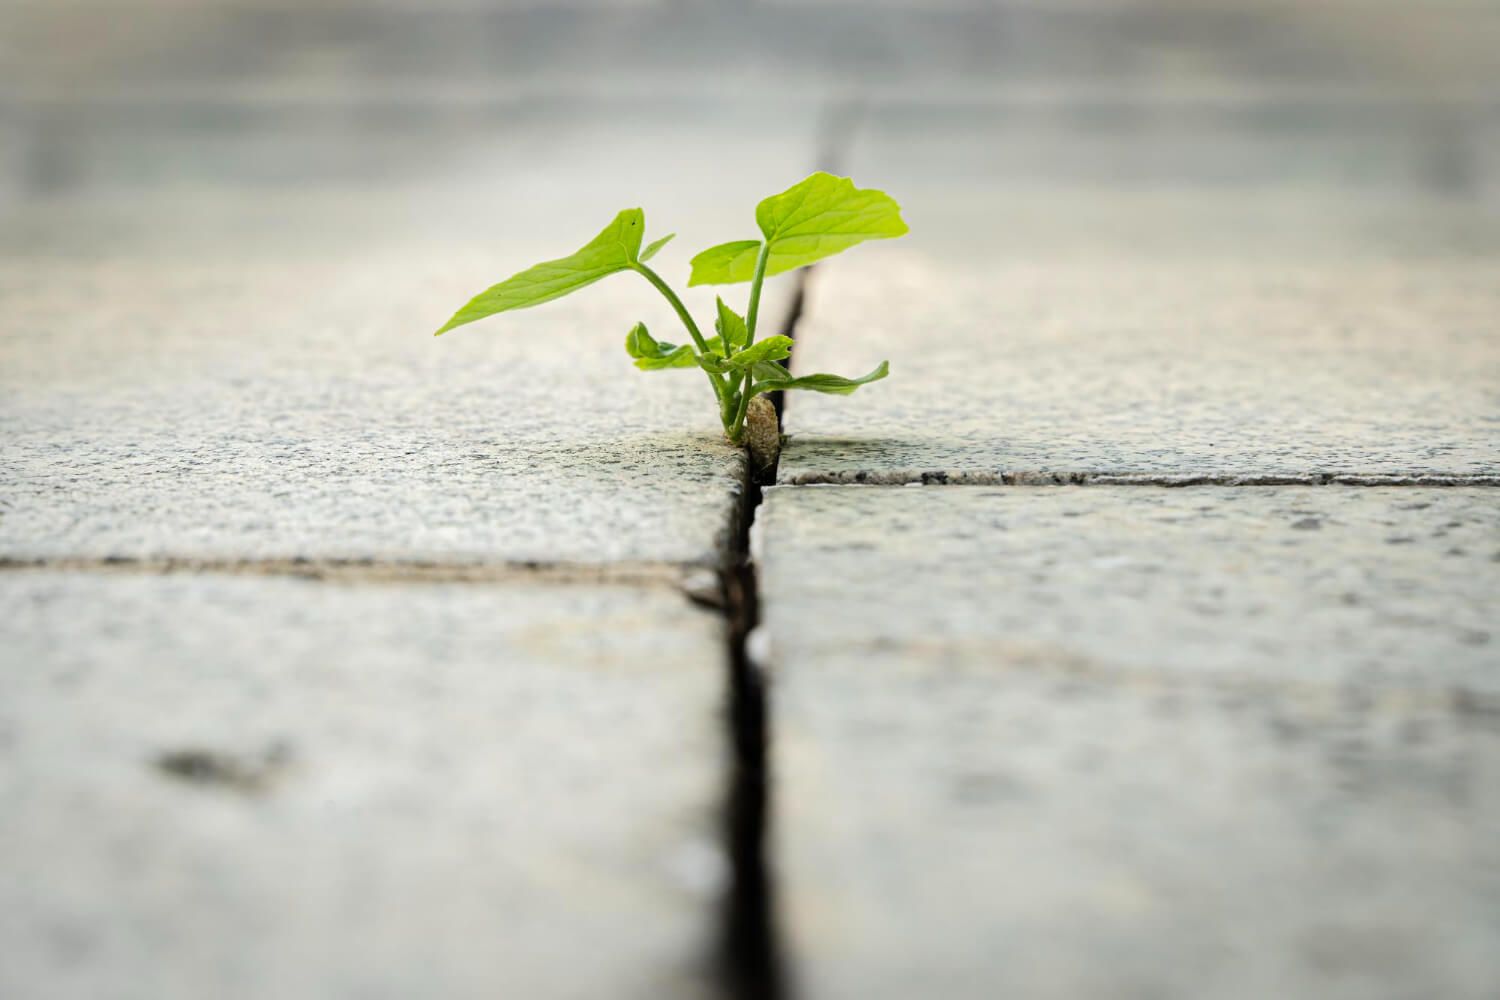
(162, 122)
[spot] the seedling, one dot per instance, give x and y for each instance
(815, 218)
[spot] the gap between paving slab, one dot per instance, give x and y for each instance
(750, 958)
(750, 951)
(821, 926)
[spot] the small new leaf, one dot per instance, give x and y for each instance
(652, 355)
(768, 371)
(614, 249)
(671, 356)
(655, 355)
(763, 351)
(654, 246)
(731, 326)
(836, 384)
(639, 343)
(715, 364)
(815, 218)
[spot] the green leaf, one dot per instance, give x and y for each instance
(731, 326)
(815, 218)
(766, 371)
(614, 249)
(714, 363)
(653, 355)
(657, 355)
(654, 246)
(762, 351)
(725, 264)
(640, 344)
(671, 356)
(836, 384)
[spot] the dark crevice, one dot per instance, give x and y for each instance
(961, 477)
(752, 958)
(753, 961)
(789, 328)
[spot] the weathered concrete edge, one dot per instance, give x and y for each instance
(458, 568)
(979, 477)
(380, 571)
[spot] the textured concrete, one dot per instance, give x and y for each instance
(1134, 741)
(330, 423)
(1162, 368)
(281, 788)
(250, 372)
(1185, 288)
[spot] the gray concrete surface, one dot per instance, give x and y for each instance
(262, 787)
(1111, 742)
(1135, 741)
(215, 354)
(328, 423)
(1173, 288)
(251, 373)
(1177, 359)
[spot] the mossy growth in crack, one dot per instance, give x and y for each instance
(817, 217)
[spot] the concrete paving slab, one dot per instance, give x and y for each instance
(1134, 741)
(248, 371)
(1169, 291)
(267, 787)
(1158, 370)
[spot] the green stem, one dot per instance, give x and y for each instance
(671, 296)
(738, 430)
(761, 260)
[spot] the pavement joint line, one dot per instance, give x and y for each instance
(984, 478)
(374, 571)
(753, 958)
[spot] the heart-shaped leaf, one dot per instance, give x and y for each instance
(815, 218)
(614, 249)
(836, 384)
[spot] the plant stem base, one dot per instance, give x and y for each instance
(762, 433)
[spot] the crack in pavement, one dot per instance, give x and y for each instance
(959, 477)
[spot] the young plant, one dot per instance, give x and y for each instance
(815, 218)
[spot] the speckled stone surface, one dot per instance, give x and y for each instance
(247, 370)
(1132, 741)
(1156, 369)
(188, 420)
(1230, 287)
(279, 788)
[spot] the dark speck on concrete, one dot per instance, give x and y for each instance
(249, 774)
